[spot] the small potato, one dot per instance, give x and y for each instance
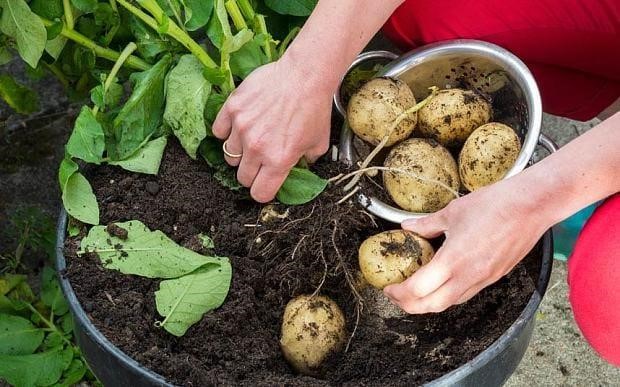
(452, 115)
(488, 154)
(373, 109)
(432, 169)
(393, 256)
(312, 328)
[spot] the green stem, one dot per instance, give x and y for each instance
(246, 9)
(176, 14)
(68, 14)
(287, 41)
(173, 30)
(50, 325)
(102, 52)
(235, 14)
(58, 74)
(261, 27)
(131, 47)
(112, 33)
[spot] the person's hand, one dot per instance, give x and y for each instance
(278, 115)
(487, 233)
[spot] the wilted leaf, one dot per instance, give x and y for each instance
(147, 159)
(87, 141)
(19, 97)
(146, 253)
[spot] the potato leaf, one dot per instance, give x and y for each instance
(19, 97)
(300, 187)
(86, 6)
(78, 197)
(147, 159)
(248, 58)
(51, 295)
(49, 9)
(197, 13)
(67, 168)
(150, 44)
(72, 375)
(183, 301)
(187, 92)
(141, 115)
(9, 281)
(23, 25)
(146, 253)
(55, 46)
(40, 369)
(18, 336)
(87, 141)
(292, 7)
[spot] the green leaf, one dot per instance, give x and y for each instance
(87, 141)
(214, 105)
(9, 281)
(40, 369)
(111, 98)
(86, 6)
(54, 30)
(20, 98)
(183, 301)
(292, 7)
(206, 241)
(67, 168)
(55, 46)
(187, 92)
(79, 199)
(51, 295)
(23, 25)
(66, 323)
(248, 58)
(49, 9)
(216, 76)
(141, 115)
(300, 187)
(237, 41)
(146, 253)
(197, 13)
(227, 176)
(18, 336)
(52, 340)
(150, 44)
(5, 55)
(147, 159)
(74, 374)
(211, 151)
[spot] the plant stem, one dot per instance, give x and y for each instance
(131, 47)
(173, 30)
(261, 27)
(235, 15)
(112, 33)
(68, 14)
(49, 324)
(246, 9)
(287, 41)
(176, 14)
(58, 73)
(102, 52)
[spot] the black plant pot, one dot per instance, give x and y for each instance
(492, 367)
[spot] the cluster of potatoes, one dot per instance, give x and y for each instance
(313, 326)
(423, 175)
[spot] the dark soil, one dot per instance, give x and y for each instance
(273, 261)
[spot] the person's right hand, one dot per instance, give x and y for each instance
(278, 115)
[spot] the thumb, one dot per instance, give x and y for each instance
(429, 226)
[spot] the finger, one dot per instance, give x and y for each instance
(267, 183)
(430, 226)
(223, 123)
(423, 282)
(313, 155)
(438, 301)
(248, 169)
(233, 146)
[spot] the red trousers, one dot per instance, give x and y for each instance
(573, 49)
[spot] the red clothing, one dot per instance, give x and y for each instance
(573, 49)
(571, 46)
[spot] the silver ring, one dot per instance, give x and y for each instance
(227, 153)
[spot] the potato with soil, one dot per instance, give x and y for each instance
(452, 115)
(393, 256)
(488, 154)
(374, 108)
(312, 328)
(424, 178)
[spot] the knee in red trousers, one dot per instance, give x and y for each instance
(594, 280)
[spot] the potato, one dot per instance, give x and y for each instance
(488, 154)
(373, 109)
(452, 115)
(437, 171)
(393, 256)
(312, 328)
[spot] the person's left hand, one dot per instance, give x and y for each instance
(487, 233)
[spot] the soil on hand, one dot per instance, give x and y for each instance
(274, 258)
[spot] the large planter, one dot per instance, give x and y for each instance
(492, 367)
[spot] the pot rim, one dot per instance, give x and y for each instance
(480, 360)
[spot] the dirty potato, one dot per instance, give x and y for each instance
(393, 256)
(488, 154)
(312, 328)
(374, 108)
(452, 115)
(431, 175)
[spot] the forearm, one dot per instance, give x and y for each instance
(334, 34)
(582, 172)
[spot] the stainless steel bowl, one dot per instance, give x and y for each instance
(460, 63)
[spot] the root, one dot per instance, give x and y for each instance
(297, 247)
(318, 289)
(347, 196)
(402, 116)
